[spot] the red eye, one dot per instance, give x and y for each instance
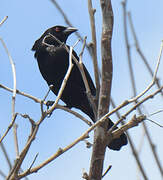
(57, 29)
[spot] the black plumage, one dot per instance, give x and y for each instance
(53, 62)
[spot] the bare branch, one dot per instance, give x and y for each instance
(21, 93)
(2, 174)
(39, 101)
(155, 123)
(6, 155)
(140, 51)
(155, 80)
(132, 109)
(14, 75)
(57, 154)
(14, 94)
(15, 126)
(133, 122)
(159, 111)
(100, 143)
(154, 77)
(9, 127)
(94, 47)
(83, 136)
(63, 82)
(42, 102)
(3, 20)
(107, 170)
(88, 91)
(33, 162)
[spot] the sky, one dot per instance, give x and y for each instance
(27, 20)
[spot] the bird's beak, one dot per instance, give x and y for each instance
(70, 30)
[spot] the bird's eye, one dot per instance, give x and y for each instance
(57, 29)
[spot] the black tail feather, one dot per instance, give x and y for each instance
(117, 143)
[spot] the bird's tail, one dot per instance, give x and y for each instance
(115, 144)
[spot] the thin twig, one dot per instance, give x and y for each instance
(154, 76)
(39, 101)
(94, 47)
(3, 20)
(46, 95)
(155, 123)
(154, 80)
(107, 170)
(13, 95)
(159, 111)
(140, 51)
(6, 155)
(63, 82)
(32, 122)
(132, 109)
(9, 127)
(33, 162)
(2, 174)
(15, 126)
(21, 93)
(88, 91)
(14, 75)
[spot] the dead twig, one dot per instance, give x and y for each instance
(13, 96)
(154, 77)
(9, 127)
(39, 101)
(63, 83)
(6, 155)
(88, 91)
(133, 108)
(94, 48)
(140, 51)
(3, 20)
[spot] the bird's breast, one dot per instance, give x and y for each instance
(53, 65)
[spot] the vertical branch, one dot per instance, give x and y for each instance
(100, 136)
(14, 91)
(106, 53)
(128, 48)
(132, 79)
(15, 126)
(6, 155)
(94, 47)
(134, 86)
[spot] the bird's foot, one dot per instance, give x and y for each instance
(50, 103)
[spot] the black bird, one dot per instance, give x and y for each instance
(53, 62)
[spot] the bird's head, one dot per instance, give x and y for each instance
(60, 32)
